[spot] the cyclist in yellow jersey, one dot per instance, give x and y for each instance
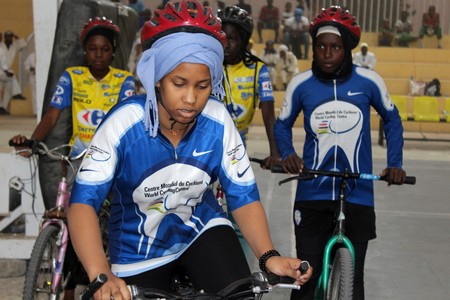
(246, 78)
(90, 92)
(90, 99)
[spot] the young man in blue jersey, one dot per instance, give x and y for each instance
(158, 155)
(336, 97)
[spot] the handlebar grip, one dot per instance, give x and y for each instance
(275, 279)
(410, 180)
(304, 266)
(277, 169)
(93, 287)
(27, 143)
(261, 162)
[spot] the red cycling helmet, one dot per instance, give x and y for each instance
(99, 23)
(336, 16)
(184, 16)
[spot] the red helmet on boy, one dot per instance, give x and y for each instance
(98, 23)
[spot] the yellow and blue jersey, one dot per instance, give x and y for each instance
(90, 99)
(244, 85)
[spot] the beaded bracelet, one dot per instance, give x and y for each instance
(263, 259)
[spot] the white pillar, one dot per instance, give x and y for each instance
(45, 15)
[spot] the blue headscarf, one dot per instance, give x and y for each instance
(166, 54)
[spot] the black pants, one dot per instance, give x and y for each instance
(214, 261)
(314, 225)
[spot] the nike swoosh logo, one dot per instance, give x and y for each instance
(243, 173)
(195, 153)
(353, 94)
(87, 170)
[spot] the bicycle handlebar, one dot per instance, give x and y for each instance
(261, 162)
(90, 290)
(311, 174)
(28, 143)
(257, 283)
(39, 147)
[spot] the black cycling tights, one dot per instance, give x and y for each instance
(212, 262)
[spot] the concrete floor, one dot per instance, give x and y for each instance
(408, 260)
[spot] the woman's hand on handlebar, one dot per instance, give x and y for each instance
(115, 288)
(20, 139)
(293, 164)
(271, 161)
(287, 266)
(394, 175)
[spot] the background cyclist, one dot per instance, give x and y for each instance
(90, 91)
(335, 97)
(158, 153)
(247, 78)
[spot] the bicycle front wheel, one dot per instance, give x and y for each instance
(340, 284)
(41, 267)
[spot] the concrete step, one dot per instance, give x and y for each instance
(12, 267)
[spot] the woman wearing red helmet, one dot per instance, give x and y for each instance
(336, 97)
(158, 154)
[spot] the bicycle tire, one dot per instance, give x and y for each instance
(340, 284)
(40, 269)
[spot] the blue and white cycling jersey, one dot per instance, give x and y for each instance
(337, 126)
(162, 199)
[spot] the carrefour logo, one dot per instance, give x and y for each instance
(91, 117)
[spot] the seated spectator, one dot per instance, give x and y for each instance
(287, 64)
(430, 26)
(403, 31)
(385, 35)
(250, 47)
(286, 15)
(162, 4)
(269, 18)
(270, 57)
(303, 4)
(365, 58)
(144, 16)
(245, 6)
(137, 5)
(298, 29)
(9, 86)
(219, 7)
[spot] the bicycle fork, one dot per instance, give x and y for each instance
(61, 243)
(63, 234)
(337, 238)
(322, 284)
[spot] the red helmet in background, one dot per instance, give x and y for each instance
(99, 23)
(184, 16)
(340, 18)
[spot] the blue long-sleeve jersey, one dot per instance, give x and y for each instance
(337, 125)
(162, 200)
